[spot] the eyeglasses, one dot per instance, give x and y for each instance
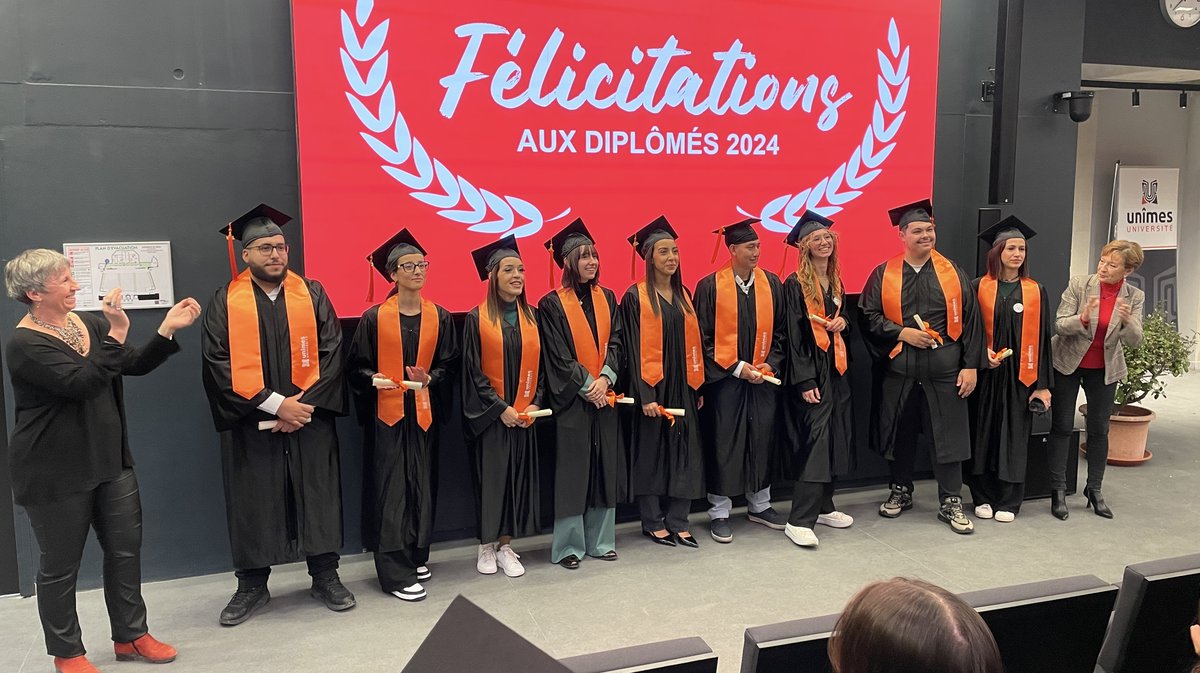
(409, 267)
(266, 249)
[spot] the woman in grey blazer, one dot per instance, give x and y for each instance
(1098, 316)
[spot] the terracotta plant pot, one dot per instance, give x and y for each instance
(1127, 433)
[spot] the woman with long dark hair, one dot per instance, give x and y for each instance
(1017, 327)
(581, 339)
(666, 370)
(821, 423)
(502, 384)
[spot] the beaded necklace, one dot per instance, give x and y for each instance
(71, 334)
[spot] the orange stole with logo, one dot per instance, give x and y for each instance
(1031, 322)
(589, 353)
(245, 347)
(820, 334)
(893, 281)
(491, 347)
(651, 341)
(725, 343)
(390, 339)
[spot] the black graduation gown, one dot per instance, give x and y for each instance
(506, 459)
(665, 459)
(399, 461)
(283, 494)
(821, 435)
(738, 418)
(935, 368)
(1000, 404)
(587, 440)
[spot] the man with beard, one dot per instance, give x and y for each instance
(272, 349)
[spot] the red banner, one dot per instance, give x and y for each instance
(466, 121)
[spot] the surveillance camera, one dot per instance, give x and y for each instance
(1078, 104)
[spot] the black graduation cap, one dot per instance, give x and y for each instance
(466, 638)
(917, 211)
(487, 257)
(808, 223)
(645, 238)
(260, 222)
(1009, 227)
(570, 237)
(384, 257)
(738, 232)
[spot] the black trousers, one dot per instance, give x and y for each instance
(114, 509)
(397, 569)
(676, 514)
(915, 421)
(319, 567)
(1100, 399)
(809, 500)
(988, 488)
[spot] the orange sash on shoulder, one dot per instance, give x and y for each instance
(651, 341)
(491, 347)
(821, 335)
(390, 359)
(725, 331)
(245, 348)
(589, 353)
(893, 281)
(1031, 322)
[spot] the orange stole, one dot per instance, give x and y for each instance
(651, 341)
(589, 353)
(725, 343)
(893, 281)
(821, 335)
(390, 358)
(245, 348)
(1031, 322)
(491, 346)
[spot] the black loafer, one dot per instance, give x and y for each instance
(687, 541)
(570, 563)
(665, 540)
(606, 556)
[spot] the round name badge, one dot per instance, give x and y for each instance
(837, 302)
(1018, 308)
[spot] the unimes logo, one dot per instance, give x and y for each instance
(1149, 191)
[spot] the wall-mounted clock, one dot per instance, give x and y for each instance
(1181, 13)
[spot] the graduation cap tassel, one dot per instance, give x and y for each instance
(633, 258)
(229, 243)
(783, 264)
(717, 244)
(550, 268)
(371, 278)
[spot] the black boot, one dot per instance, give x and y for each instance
(245, 602)
(1096, 502)
(330, 591)
(1058, 503)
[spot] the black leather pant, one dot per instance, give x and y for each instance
(114, 509)
(1100, 398)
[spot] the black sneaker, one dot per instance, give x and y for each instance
(952, 513)
(899, 499)
(769, 518)
(720, 530)
(331, 592)
(245, 602)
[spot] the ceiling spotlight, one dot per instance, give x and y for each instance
(1137, 98)
(1183, 99)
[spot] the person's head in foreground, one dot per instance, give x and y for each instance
(909, 626)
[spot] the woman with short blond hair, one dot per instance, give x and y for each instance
(1098, 316)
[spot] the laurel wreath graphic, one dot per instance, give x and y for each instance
(489, 213)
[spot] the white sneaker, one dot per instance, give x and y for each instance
(414, 592)
(487, 559)
(506, 558)
(805, 537)
(1005, 517)
(984, 511)
(836, 519)
(423, 574)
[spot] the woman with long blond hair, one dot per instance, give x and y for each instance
(820, 424)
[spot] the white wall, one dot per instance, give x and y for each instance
(1157, 133)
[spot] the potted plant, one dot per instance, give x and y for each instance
(1163, 351)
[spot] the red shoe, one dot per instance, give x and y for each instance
(78, 664)
(147, 649)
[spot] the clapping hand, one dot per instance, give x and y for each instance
(179, 316)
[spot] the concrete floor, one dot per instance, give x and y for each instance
(653, 592)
